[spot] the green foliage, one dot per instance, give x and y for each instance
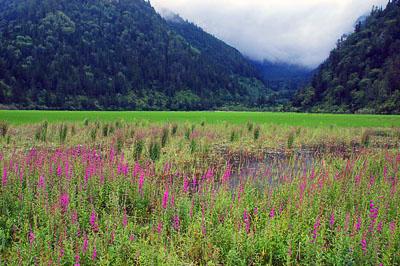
(362, 74)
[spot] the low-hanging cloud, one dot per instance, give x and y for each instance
(293, 31)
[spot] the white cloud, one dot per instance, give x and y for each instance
(294, 31)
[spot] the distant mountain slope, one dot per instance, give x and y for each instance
(83, 54)
(363, 73)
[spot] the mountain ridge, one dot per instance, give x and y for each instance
(115, 55)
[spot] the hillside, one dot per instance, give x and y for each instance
(58, 54)
(362, 74)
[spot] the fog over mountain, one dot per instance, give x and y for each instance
(298, 32)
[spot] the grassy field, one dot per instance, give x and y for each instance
(288, 119)
(185, 189)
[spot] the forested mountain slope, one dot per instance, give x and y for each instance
(363, 73)
(103, 54)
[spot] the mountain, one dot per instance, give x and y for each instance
(116, 55)
(362, 74)
(283, 78)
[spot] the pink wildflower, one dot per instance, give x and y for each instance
(176, 223)
(227, 173)
(272, 213)
(85, 244)
(4, 179)
(165, 199)
(246, 220)
(332, 220)
(159, 227)
(315, 231)
(64, 202)
(94, 256)
(141, 182)
(185, 185)
(364, 244)
(41, 184)
(92, 221)
(125, 219)
(31, 237)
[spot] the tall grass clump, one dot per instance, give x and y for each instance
(250, 126)
(73, 130)
(86, 122)
(105, 130)
(164, 136)
(62, 132)
(174, 129)
(93, 133)
(256, 133)
(366, 137)
(138, 148)
(290, 139)
(188, 133)
(154, 150)
(120, 142)
(234, 136)
(41, 131)
(3, 128)
(193, 146)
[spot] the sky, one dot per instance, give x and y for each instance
(301, 32)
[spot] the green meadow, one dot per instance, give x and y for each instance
(289, 119)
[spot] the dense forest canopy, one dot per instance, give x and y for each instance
(363, 73)
(87, 54)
